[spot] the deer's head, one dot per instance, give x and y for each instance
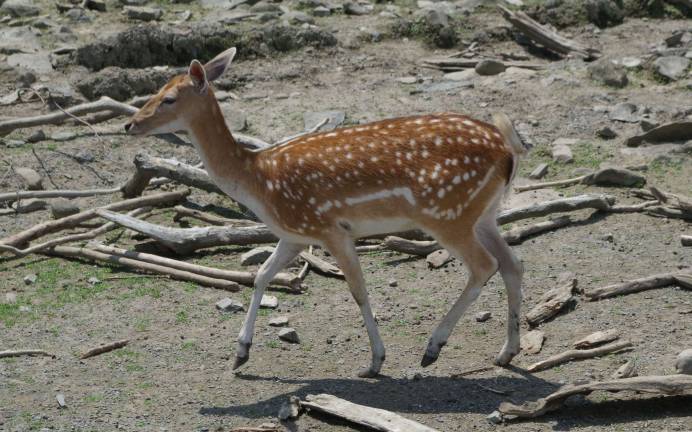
(179, 101)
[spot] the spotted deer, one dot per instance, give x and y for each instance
(442, 173)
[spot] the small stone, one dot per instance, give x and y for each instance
(29, 205)
(561, 150)
(606, 133)
(352, 8)
(671, 67)
(532, 342)
(683, 363)
(612, 176)
(631, 62)
(19, 8)
(539, 172)
(62, 207)
(608, 73)
(627, 370)
(257, 255)
(133, 2)
(281, 321)
(490, 67)
(269, 301)
(289, 334)
(624, 112)
(647, 124)
(334, 119)
(297, 17)
(37, 136)
(407, 80)
(24, 309)
(483, 316)
(94, 280)
(229, 305)
(30, 279)
(97, 5)
(61, 400)
(143, 13)
(608, 237)
(495, 417)
(63, 136)
(10, 143)
(464, 75)
(438, 258)
(31, 178)
(321, 11)
(290, 409)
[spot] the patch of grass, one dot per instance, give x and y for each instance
(588, 155)
(142, 324)
(189, 345)
(273, 344)
(93, 398)
(181, 317)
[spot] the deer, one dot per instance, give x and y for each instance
(445, 174)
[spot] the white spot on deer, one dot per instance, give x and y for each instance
(337, 203)
(466, 176)
(374, 159)
(456, 179)
(331, 134)
(270, 185)
(477, 159)
(324, 207)
(312, 200)
(425, 153)
(438, 141)
(403, 192)
(441, 193)
(467, 160)
(468, 122)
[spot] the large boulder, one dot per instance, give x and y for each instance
(121, 84)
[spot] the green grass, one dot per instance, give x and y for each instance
(189, 345)
(181, 317)
(272, 344)
(93, 398)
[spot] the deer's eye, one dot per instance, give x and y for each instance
(168, 100)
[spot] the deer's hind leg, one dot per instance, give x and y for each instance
(461, 240)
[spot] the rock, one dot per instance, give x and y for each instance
(672, 67)
(290, 409)
(352, 8)
(229, 305)
(464, 75)
(97, 5)
(31, 178)
(647, 124)
(63, 136)
(495, 417)
(532, 342)
(683, 363)
(483, 316)
(434, 21)
(26, 78)
(627, 370)
(264, 7)
(256, 256)
(269, 301)
(37, 136)
(18, 40)
(236, 120)
(122, 84)
(321, 11)
(143, 13)
(539, 172)
(10, 298)
(289, 334)
(133, 2)
(280, 321)
(61, 92)
(616, 177)
(62, 207)
(624, 112)
(606, 133)
(297, 17)
(61, 401)
(490, 67)
(94, 280)
(407, 80)
(36, 62)
(30, 279)
(312, 119)
(393, 283)
(603, 13)
(631, 62)
(561, 150)
(77, 15)
(438, 258)
(29, 205)
(607, 72)
(19, 8)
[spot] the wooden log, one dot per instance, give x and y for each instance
(552, 302)
(448, 64)
(596, 338)
(519, 234)
(186, 240)
(671, 385)
(243, 277)
(594, 201)
(374, 418)
(165, 198)
(104, 348)
(632, 286)
(669, 212)
(15, 196)
(321, 265)
(570, 355)
(566, 182)
(546, 37)
(93, 255)
(148, 167)
(627, 370)
(632, 208)
(411, 247)
(24, 352)
(182, 211)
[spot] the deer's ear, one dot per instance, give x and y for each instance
(198, 76)
(218, 65)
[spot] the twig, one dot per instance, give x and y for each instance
(518, 235)
(104, 349)
(43, 166)
(306, 266)
(576, 354)
(321, 265)
(59, 193)
(594, 201)
(492, 390)
(25, 352)
(633, 286)
(182, 211)
(566, 182)
(472, 372)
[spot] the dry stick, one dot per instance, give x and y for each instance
(595, 201)
(104, 348)
(672, 385)
(686, 240)
(552, 302)
(566, 182)
(669, 212)
(40, 162)
(165, 198)
(633, 286)
(546, 37)
(321, 265)
(25, 352)
(186, 240)
(90, 254)
(411, 247)
(519, 234)
(60, 193)
(576, 354)
(472, 371)
(306, 266)
(452, 64)
(70, 238)
(632, 208)
(245, 278)
(182, 211)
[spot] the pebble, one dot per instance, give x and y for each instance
(606, 133)
(280, 321)
(30, 279)
(495, 417)
(539, 172)
(289, 334)
(229, 305)
(61, 400)
(269, 301)
(37, 136)
(532, 342)
(624, 112)
(33, 180)
(683, 363)
(561, 150)
(490, 67)
(62, 207)
(143, 13)
(671, 67)
(393, 283)
(483, 316)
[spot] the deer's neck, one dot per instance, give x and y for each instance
(230, 165)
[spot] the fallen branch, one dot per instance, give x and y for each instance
(245, 278)
(321, 265)
(15, 196)
(519, 234)
(552, 302)
(104, 349)
(186, 240)
(671, 385)
(375, 418)
(632, 208)
(455, 64)
(577, 354)
(165, 198)
(546, 37)
(411, 247)
(603, 177)
(594, 201)
(25, 352)
(93, 255)
(596, 338)
(182, 211)
(633, 286)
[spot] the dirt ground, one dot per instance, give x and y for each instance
(176, 372)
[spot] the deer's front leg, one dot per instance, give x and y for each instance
(284, 253)
(343, 250)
